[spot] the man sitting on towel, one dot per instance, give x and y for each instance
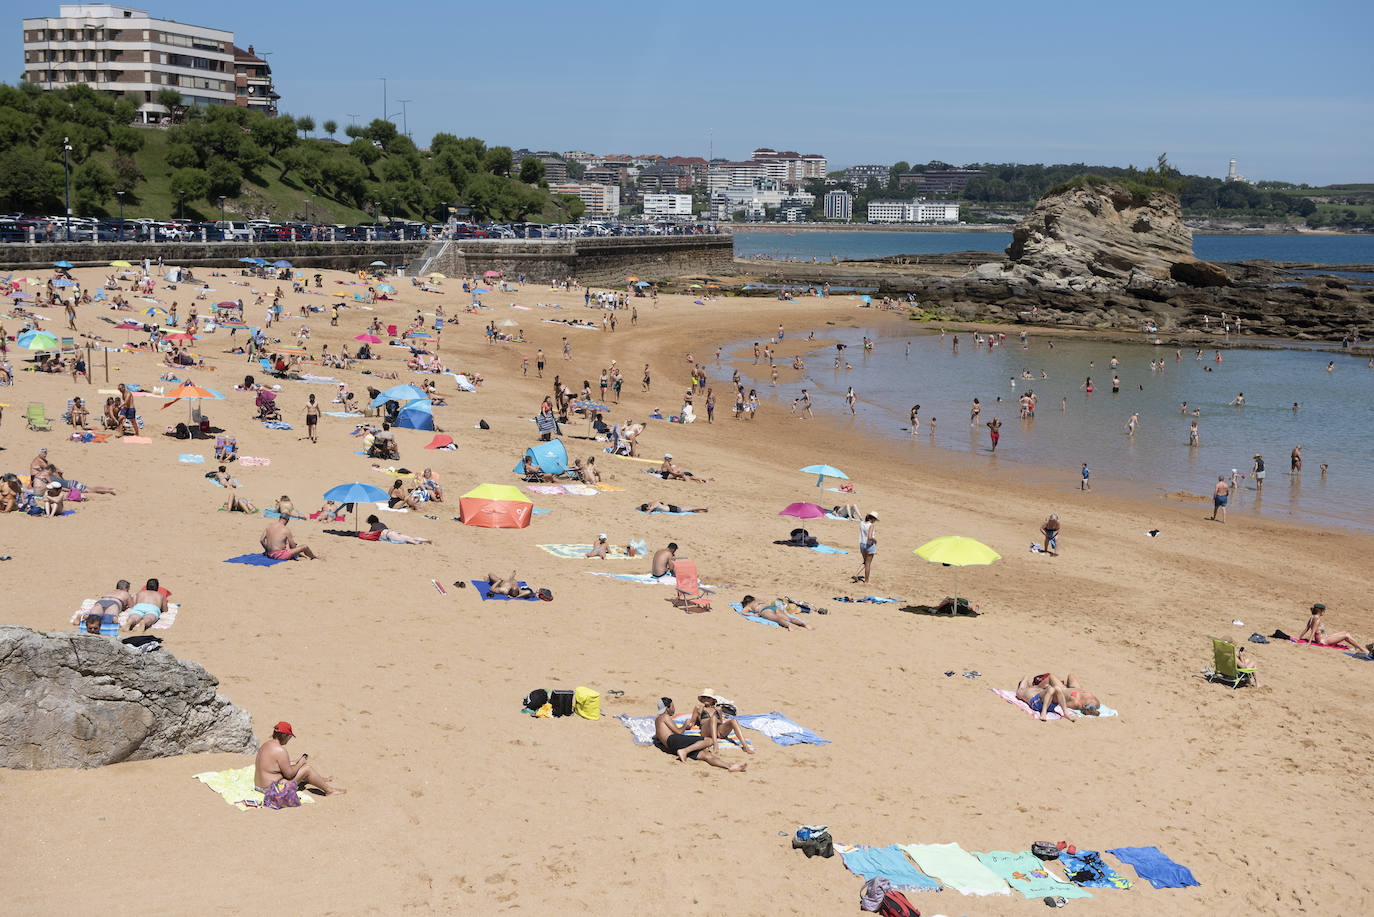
(669, 738)
(278, 778)
(1042, 693)
(278, 544)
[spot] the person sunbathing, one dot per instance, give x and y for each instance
(385, 534)
(278, 544)
(601, 549)
(111, 603)
(671, 472)
(714, 721)
(510, 586)
(238, 504)
(669, 738)
(430, 483)
(778, 611)
(399, 496)
(1042, 693)
(11, 493)
(532, 472)
(147, 609)
(221, 477)
(846, 511)
(286, 508)
(655, 506)
(1315, 632)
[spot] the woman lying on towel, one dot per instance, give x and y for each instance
(778, 611)
(379, 532)
(1042, 693)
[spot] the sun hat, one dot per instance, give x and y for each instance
(601, 537)
(53, 485)
(708, 693)
(667, 455)
(284, 728)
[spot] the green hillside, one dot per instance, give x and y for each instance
(264, 167)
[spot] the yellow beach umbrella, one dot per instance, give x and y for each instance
(437, 276)
(957, 551)
(496, 492)
(120, 264)
(341, 294)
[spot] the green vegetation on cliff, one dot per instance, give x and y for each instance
(262, 166)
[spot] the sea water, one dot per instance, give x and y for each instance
(805, 245)
(1334, 422)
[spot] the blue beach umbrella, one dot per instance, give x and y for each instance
(823, 472)
(63, 282)
(417, 415)
(281, 263)
(866, 298)
(386, 288)
(402, 394)
(248, 261)
(481, 290)
(62, 264)
(36, 340)
(355, 493)
(644, 283)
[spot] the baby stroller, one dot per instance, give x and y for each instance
(267, 408)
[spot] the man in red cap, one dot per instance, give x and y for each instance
(278, 778)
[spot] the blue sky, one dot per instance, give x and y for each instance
(1285, 88)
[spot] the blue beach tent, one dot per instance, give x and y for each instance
(550, 458)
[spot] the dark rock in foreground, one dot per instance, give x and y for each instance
(76, 700)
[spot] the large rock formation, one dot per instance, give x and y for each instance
(1097, 228)
(76, 700)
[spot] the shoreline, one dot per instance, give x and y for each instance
(1195, 224)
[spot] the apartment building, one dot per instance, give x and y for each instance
(942, 181)
(917, 210)
(664, 179)
(839, 205)
(125, 52)
(253, 82)
(603, 201)
(667, 206)
(860, 176)
(790, 167)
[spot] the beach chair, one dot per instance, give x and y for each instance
(689, 590)
(68, 345)
(1224, 666)
(37, 417)
(391, 330)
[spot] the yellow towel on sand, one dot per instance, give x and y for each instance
(235, 786)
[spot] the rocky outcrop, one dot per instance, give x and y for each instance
(1099, 229)
(77, 700)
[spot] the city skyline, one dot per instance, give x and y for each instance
(1273, 86)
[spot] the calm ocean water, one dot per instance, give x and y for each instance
(1334, 424)
(805, 245)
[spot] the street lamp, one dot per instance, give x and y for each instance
(222, 227)
(307, 211)
(405, 121)
(67, 180)
(120, 195)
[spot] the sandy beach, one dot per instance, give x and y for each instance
(458, 803)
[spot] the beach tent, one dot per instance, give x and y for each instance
(416, 415)
(550, 458)
(495, 506)
(173, 275)
(401, 394)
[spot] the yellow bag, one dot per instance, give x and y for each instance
(587, 704)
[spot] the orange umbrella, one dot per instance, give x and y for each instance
(495, 506)
(188, 389)
(631, 279)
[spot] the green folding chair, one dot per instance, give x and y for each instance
(1224, 666)
(37, 416)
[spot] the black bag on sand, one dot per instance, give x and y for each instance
(1045, 850)
(948, 607)
(562, 701)
(536, 699)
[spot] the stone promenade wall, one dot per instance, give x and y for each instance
(591, 260)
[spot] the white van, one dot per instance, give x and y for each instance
(234, 231)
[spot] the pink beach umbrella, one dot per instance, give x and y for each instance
(804, 511)
(368, 339)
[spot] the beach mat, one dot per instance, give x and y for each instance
(956, 868)
(547, 490)
(135, 440)
(276, 425)
(1320, 646)
(580, 490)
(235, 786)
(191, 458)
(579, 551)
(668, 578)
(780, 729)
(484, 590)
(255, 560)
(739, 610)
(1011, 698)
(1026, 873)
(1154, 867)
(1087, 868)
(888, 862)
(827, 549)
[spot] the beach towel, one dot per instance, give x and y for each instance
(112, 623)
(871, 599)
(780, 729)
(1027, 874)
(661, 512)
(1320, 646)
(235, 786)
(607, 488)
(253, 461)
(254, 560)
(641, 728)
(548, 490)
(484, 590)
(635, 458)
(956, 868)
(1011, 698)
(276, 425)
(342, 414)
(827, 549)
(541, 512)
(214, 481)
(739, 610)
(191, 459)
(580, 490)
(1090, 861)
(1154, 867)
(638, 577)
(579, 551)
(888, 862)
(135, 440)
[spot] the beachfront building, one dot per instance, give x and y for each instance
(917, 210)
(667, 206)
(860, 176)
(757, 201)
(839, 205)
(940, 181)
(253, 82)
(125, 52)
(603, 201)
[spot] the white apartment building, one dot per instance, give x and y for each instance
(755, 200)
(839, 205)
(603, 201)
(917, 210)
(123, 51)
(668, 206)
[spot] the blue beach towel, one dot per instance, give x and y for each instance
(739, 610)
(255, 560)
(780, 729)
(484, 590)
(890, 863)
(542, 512)
(1102, 875)
(341, 414)
(1154, 867)
(191, 459)
(827, 549)
(276, 425)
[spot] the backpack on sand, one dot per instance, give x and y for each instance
(896, 905)
(536, 699)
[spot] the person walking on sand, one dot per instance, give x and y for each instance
(312, 417)
(279, 779)
(868, 546)
(995, 429)
(1221, 494)
(1258, 471)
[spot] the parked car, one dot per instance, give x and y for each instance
(232, 231)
